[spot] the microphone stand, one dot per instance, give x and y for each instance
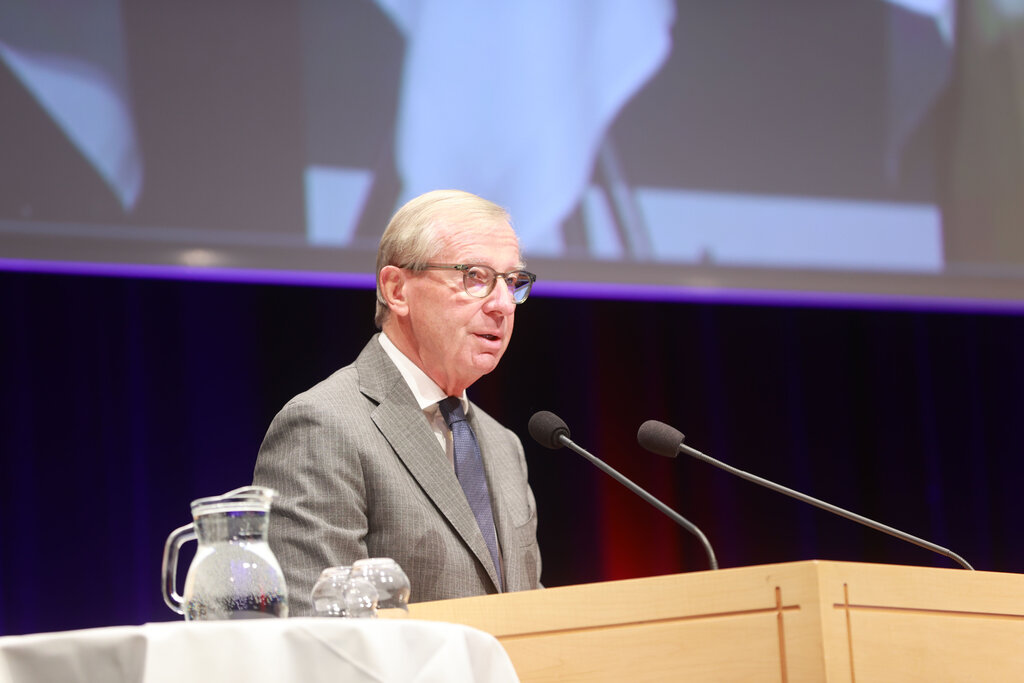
(675, 516)
(852, 516)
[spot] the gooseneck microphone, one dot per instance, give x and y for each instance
(550, 431)
(665, 440)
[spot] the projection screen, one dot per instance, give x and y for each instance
(742, 149)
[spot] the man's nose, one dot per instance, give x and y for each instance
(501, 297)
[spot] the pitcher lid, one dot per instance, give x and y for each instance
(246, 498)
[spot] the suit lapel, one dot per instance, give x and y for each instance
(403, 424)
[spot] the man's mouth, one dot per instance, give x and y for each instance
(488, 337)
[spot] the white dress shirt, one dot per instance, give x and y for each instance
(427, 394)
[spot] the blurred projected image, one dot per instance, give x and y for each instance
(784, 145)
(69, 58)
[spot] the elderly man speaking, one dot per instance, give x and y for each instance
(387, 457)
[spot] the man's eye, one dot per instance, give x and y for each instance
(478, 274)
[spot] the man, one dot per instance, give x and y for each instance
(365, 462)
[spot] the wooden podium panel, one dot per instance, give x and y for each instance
(799, 621)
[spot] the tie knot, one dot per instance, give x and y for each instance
(451, 410)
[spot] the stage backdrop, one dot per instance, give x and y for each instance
(121, 400)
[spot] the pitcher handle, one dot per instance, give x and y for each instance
(169, 571)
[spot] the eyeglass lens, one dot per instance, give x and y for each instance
(480, 281)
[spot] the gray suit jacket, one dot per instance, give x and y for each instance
(361, 474)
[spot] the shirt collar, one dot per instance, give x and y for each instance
(424, 390)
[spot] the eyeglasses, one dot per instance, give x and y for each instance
(479, 280)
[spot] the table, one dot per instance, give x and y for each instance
(281, 650)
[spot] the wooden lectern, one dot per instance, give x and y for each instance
(797, 621)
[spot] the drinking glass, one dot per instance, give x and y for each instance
(388, 578)
(339, 594)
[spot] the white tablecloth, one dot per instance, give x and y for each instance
(306, 650)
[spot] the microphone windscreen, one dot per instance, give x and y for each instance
(545, 427)
(658, 437)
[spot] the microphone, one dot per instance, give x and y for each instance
(662, 439)
(550, 431)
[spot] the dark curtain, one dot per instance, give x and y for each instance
(121, 400)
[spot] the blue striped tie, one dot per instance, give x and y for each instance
(469, 468)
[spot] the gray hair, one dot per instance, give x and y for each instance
(412, 238)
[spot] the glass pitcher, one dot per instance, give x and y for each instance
(233, 574)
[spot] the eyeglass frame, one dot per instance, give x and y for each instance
(465, 268)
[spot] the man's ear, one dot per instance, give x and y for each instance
(392, 288)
